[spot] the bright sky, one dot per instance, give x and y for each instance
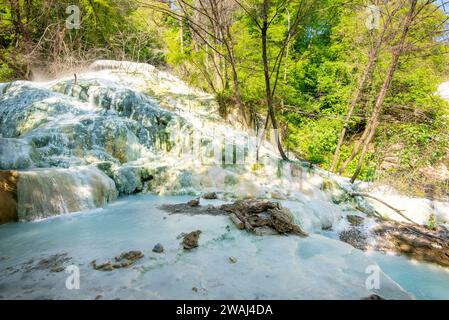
(445, 6)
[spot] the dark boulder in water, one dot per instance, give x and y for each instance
(373, 297)
(194, 203)
(158, 248)
(190, 240)
(124, 260)
(130, 255)
(210, 196)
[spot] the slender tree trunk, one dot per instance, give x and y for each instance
(386, 85)
(271, 112)
(354, 102)
(372, 59)
(28, 4)
(262, 135)
(287, 49)
(362, 155)
(16, 17)
(356, 148)
(181, 35)
(235, 79)
(224, 25)
(218, 37)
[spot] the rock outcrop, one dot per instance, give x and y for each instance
(256, 216)
(417, 242)
(414, 241)
(261, 217)
(124, 260)
(8, 196)
(190, 240)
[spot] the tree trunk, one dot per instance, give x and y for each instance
(271, 112)
(368, 69)
(386, 85)
(218, 37)
(223, 23)
(181, 36)
(372, 59)
(16, 17)
(235, 79)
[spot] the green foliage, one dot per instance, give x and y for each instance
(40, 39)
(6, 72)
(432, 223)
(317, 78)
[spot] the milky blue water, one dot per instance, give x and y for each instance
(274, 267)
(425, 280)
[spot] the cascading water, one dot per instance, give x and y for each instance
(71, 145)
(46, 192)
(98, 120)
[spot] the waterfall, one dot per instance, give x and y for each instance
(125, 127)
(45, 192)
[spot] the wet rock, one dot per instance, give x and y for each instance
(282, 221)
(210, 196)
(185, 208)
(237, 222)
(130, 255)
(190, 240)
(158, 248)
(355, 220)
(251, 215)
(105, 266)
(124, 260)
(373, 297)
(414, 241)
(54, 263)
(122, 264)
(265, 231)
(57, 269)
(128, 179)
(8, 196)
(98, 297)
(232, 260)
(257, 214)
(355, 238)
(195, 289)
(194, 203)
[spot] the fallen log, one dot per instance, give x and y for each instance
(238, 223)
(410, 228)
(356, 194)
(425, 245)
